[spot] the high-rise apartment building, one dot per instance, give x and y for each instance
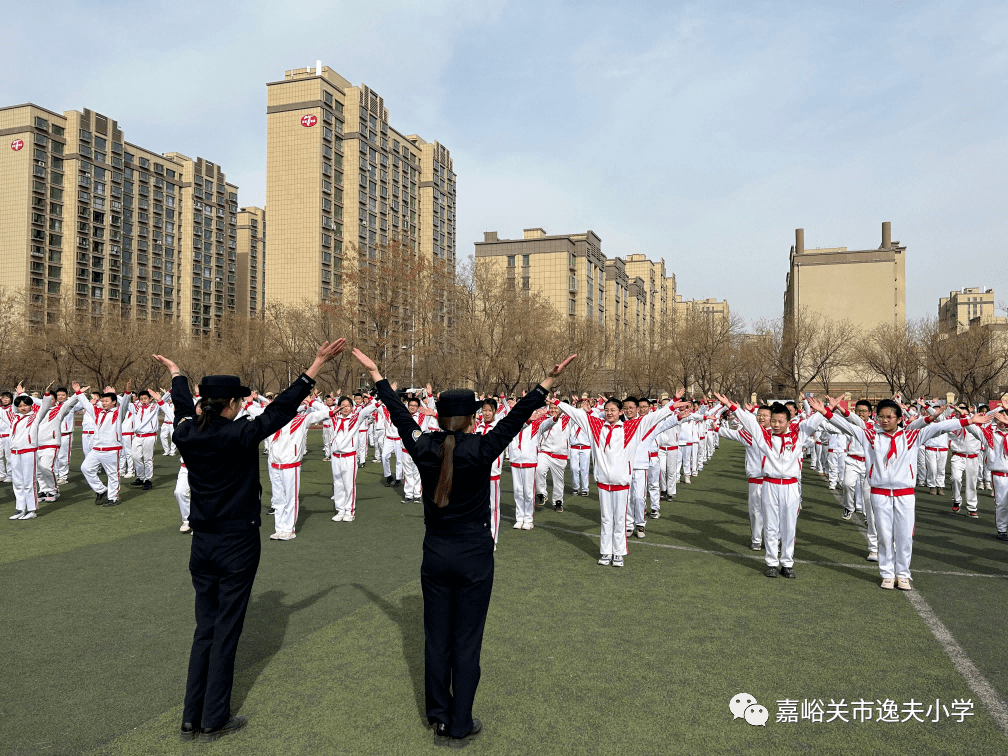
(618, 314)
(87, 217)
(866, 287)
(252, 259)
(959, 308)
(569, 269)
(710, 308)
(340, 178)
(655, 288)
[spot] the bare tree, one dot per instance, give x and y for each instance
(973, 363)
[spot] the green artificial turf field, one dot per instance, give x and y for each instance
(578, 659)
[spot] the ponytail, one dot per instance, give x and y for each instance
(444, 485)
(211, 408)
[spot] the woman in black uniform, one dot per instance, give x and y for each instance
(458, 564)
(222, 456)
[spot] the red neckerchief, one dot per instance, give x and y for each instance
(618, 424)
(892, 445)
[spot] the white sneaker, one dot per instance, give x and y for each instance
(338, 517)
(17, 515)
(605, 560)
(61, 481)
(516, 526)
(288, 535)
(275, 536)
(349, 518)
(617, 560)
(872, 556)
(901, 582)
(185, 527)
(527, 526)
(32, 516)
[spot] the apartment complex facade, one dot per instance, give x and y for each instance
(960, 309)
(654, 284)
(709, 308)
(251, 260)
(866, 287)
(341, 182)
(90, 218)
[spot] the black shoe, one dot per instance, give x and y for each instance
(386, 482)
(558, 506)
(396, 483)
(848, 513)
(137, 482)
(271, 511)
(584, 493)
(1002, 536)
(188, 732)
(99, 498)
(788, 572)
(148, 485)
(111, 503)
(233, 725)
(442, 738)
(771, 572)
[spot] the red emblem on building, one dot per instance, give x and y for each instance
(308, 121)
(16, 145)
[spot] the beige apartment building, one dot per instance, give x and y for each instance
(957, 311)
(251, 262)
(619, 315)
(569, 269)
(655, 288)
(866, 287)
(710, 308)
(341, 181)
(117, 227)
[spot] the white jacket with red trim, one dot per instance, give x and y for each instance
(287, 444)
(891, 457)
(24, 436)
(50, 430)
(995, 444)
(343, 439)
(554, 439)
(614, 446)
(6, 414)
(144, 418)
(753, 455)
(782, 453)
(108, 434)
(523, 449)
(647, 447)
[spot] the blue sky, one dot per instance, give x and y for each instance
(701, 133)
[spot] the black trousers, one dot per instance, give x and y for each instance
(223, 568)
(457, 578)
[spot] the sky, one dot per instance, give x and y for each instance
(703, 134)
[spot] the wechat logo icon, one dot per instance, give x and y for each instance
(745, 706)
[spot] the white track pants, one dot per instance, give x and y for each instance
(637, 501)
(936, 460)
(126, 468)
(377, 439)
(167, 445)
(6, 470)
(894, 520)
(964, 467)
(614, 521)
(46, 470)
(857, 496)
(95, 462)
(289, 481)
(556, 468)
(668, 463)
(182, 493)
(756, 513)
(780, 516)
(654, 482)
(143, 456)
(411, 477)
(87, 442)
(276, 488)
(326, 441)
(694, 457)
(392, 446)
(833, 464)
(362, 441)
(523, 483)
(1000, 502)
(580, 459)
(23, 474)
(685, 455)
(921, 465)
(63, 458)
(344, 474)
(495, 506)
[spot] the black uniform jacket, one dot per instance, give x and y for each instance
(469, 502)
(223, 459)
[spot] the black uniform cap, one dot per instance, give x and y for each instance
(225, 386)
(455, 402)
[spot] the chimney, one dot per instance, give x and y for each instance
(886, 235)
(489, 236)
(799, 241)
(318, 67)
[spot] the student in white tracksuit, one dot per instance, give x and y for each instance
(994, 438)
(50, 439)
(286, 450)
(66, 439)
(580, 455)
(524, 456)
(126, 468)
(107, 445)
(936, 457)
(23, 446)
(754, 472)
(614, 443)
(891, 456)
(343, 454)
(856, 487)
(167, 425)
(6, 413)
(964, 468)
(426, 418)
(330, 402)
(145, 414)
(362, 431)
(87, 421)
(554, 449)
(490, 413)
(644, 472)
(781, 446)
(392, 444)
(668, 459)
